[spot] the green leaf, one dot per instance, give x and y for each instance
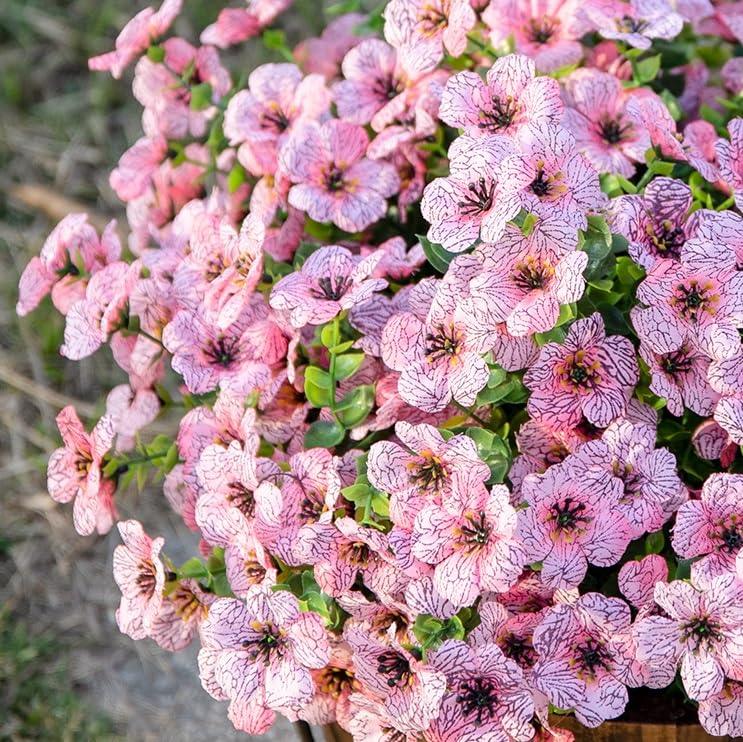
(654, 542)
(275, 40)
(194, 569)
(437, 256)
(201, 96)
(347, 365)
(236, 177)
(330, 335)
(156, 53)
(318, 387)
(355, 406)
(647, 69)
(324, 434)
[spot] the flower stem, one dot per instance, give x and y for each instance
(472, 414)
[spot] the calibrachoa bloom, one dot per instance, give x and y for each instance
(712, 527)
(572, 519)
(698, 629)
(330, 280)
(75, 472)
(432, 347)
(470, 539)
(588, 375)
(259, 654)
(334, 181)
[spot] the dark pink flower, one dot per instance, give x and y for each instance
(234, 25)
(140, 575)
(547, 177)
(698, 629)
(588, 375)
(334, 181)
(547, 31)
(636, 23)
(595, 115)
(486, 696)
(572, 520)
(730, 157)
(583, 657)
(712, 527)
(259, 654)
(470, 538)
(510, 97)
(70, 255)
(410, 691)
(330, 280)
(74, 471)
(136, 36)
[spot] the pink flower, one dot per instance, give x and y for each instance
(419, 24)
(652, 488)
(525, 280)
(547, 31)
(595, 115)
(589, 375)
(181, 613)
(259, 654)
(486, 695)
(421, 469)
(636, 22)
(700, 629)
(722, 714)
(547, 177)
(140, 575)
(138, 167)
(725, 377)
(260, 118)
(380, 83)
(470, 538)
(434, 352)
(712, 527)
(334, 181)
(510, 97)
(165, 89)
(637, 579)
(410, 691)
(74, 471)
(206, 356)
(70, 254)
(469, 203)
(330, 280)
(730, 157)
(691, 303)
(234, 25)
(583, 657)
(656, 224)
(712, 442)
(572, 520)
(136, 36)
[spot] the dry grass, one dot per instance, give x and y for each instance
(65, 671)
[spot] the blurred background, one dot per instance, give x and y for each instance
(66, 673)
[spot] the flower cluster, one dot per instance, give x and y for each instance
(446, 306)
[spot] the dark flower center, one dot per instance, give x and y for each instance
(478, 697)
(427, 472)
(592, 655)
(240, 497)
(667, 238)
(186, 604)
(443, 343)
(275, 119)
(628, 24)
(579, 372)
(356, 553)
(334, 179)
(312, 507)
(146, 577)
(520, 650)
(701, 630)
(541, 30)
(270, 641)
(532, 273)
(677, 362)
(612, 131)
(432, 17)
(695, 298)
(568, 514)
(479, 198)
(500, 116)
(395, 667)
(222, 351)
(332, 288)
(475, 532)
(729, 533)
(334, 680)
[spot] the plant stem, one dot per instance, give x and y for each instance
(331, 370)
(472, 414)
